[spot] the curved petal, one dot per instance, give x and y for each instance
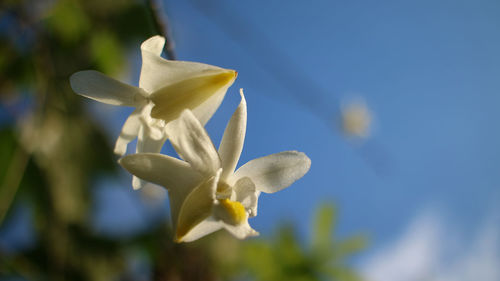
(97, 86)
(241, 231)
(193, 144)
(129, 132)
(207, 226)
(191, 93)
(169, 172)
(154, 194)
(151, 50)
(157, 72)
(196, 207)
(138, 183)
(232, 141)
(206, 109)
(274, 172)
(150, 139)
(153, 45)
(247, 195)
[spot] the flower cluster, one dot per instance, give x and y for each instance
(173, 101)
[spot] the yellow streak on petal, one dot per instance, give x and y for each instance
(235, 210)
(184, 228)
(196, 207)
(171, 100)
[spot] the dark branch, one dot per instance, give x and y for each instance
(160, 22)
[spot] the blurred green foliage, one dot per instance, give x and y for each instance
(285, 258)
(51, 151)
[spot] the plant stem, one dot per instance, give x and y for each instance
(160, 22)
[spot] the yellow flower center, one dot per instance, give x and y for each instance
(235, 210)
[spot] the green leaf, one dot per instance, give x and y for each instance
(351, 245)
(68, 21)
(107, 52)
(324, 227)
(7, 148)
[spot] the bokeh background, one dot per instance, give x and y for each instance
(404, 187)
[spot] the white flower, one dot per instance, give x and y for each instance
(165, 89)
(206, 194)
(356, 119)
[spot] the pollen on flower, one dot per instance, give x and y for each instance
(235, 210)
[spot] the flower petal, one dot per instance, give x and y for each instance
(193, 144)
(151, 50)
(150, 139)
(197, 206)
(241, 231)
(137, 184)
(129, 132)
(153, 45)
(173, 174)
(97, 86)
(191, 93)
(206, 109)
(160, 169)
(274, 172)
(207, 226)
(157, 72)
(234, 136)
(147, 142)
(247, 195)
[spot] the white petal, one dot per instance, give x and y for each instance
(175, 175)
(247, 195)
(241, 231)
(274, 172)
(234, 136)
(154, 194)
(151, 50)
(153, 45)
(193, 144)
(207, 226)
(160, 169)
(196, 207)
(97, 86)
(157, 72)
(206, 109)
(147, 142)
(150, 139)
(129, 132)
(137, 183)
(203, 92)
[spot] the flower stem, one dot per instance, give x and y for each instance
(160, 22)
(12, 180)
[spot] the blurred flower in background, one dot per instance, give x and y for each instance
(356, 119)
